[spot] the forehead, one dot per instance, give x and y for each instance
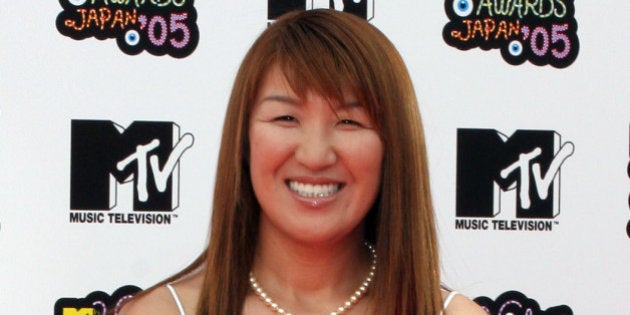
(274, 82)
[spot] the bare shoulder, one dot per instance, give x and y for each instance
(461, 305)
(158, 301)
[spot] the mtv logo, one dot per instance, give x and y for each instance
(95, 303)
(360, 8)
(80, 311)
(490, 163)
(105, 154)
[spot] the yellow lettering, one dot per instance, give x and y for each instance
(118, 18)
(458, 34)
(161, 3)
(502, 29)
(514, 28)
(106, 15)
(131, 17)
(73, 24)
(81, 311)
(502, 7)
(477, 28)
(530, 5)
(92, 17)
(563, 9)
(487, 4)
(517, 5)
(542, 9)
(489, 26)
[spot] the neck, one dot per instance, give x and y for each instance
(315, 276)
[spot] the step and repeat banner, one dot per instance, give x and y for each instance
(111, 114)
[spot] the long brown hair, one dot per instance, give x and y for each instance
(323, 51)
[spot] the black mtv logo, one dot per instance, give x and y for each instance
(95, 303)
(105, 154)
(489, 163)
(361, 8)
(516, 303)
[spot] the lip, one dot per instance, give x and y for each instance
(314, 180)
(317, 201)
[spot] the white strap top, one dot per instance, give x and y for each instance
(447, 300)
(176, 298)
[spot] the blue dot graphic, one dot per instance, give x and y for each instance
(463, 7)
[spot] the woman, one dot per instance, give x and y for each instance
(322, 199)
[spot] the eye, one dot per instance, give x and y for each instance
(132, 37)
(463, 7)
(286, 118)
(515, 48)
(285, 121)
(77, 2)
(350, 123)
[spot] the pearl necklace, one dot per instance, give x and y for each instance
(354, 299)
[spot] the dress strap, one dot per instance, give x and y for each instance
(176, 298)
(449, 298)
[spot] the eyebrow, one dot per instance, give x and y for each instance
(351, 104)
(280, 98)
(293, 101)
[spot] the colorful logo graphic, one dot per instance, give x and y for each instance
(157, 26)
(105, 154)
(96, 303)
(516, 303)
(541, 31)
(361, 8)
(490, 163)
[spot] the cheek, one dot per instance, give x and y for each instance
(267, 153)
(372, 164)
(365, 156)
(373, 170)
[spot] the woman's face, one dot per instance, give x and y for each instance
(315, 166)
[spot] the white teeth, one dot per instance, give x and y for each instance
(313, 191)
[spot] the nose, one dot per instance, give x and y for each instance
(316, 150)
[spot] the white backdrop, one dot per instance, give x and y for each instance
(48, 80)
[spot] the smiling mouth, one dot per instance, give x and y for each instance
(313, 191)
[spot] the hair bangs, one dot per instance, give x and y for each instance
(316, 58)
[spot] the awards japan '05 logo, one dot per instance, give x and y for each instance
(516, 303)
(361, 8)
(95, 303)
(146, 154)
(541, 31)
(489, 164)
(157, 26)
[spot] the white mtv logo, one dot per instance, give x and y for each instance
(530, 171)
(541, 182)
(160, 176)
(325, 4)
(339, 5)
